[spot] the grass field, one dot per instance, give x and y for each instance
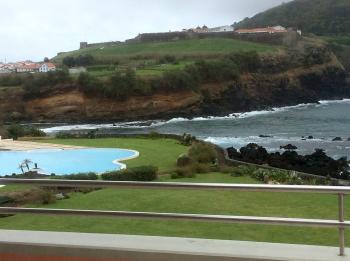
(151, 70)
(164, 153)
(158, 70)
(342, 40)
(184, 47)
(145, 57)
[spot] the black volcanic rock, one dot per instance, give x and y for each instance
(317, 163)
(265, 136)
(337, 139)
(289, 147)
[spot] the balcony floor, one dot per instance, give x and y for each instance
(30, 245)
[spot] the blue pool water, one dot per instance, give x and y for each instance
(62, 162)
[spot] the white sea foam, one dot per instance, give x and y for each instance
(120, 125)
(156, 123)
(334, 101)
(260, 140)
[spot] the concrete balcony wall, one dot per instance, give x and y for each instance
(59, 246)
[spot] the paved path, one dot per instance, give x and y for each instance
(28, 145)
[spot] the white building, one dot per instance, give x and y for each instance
(47, 67)
(4, 70)
(279, 27)
(77, 70)
(270, 30)
(27, 68)
(220, 29)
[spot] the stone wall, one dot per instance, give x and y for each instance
(84, 45)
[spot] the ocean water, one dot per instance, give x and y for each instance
(63, 162)
(323, 121)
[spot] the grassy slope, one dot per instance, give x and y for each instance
(144, 57)
(341, 47)
(164, 152)
(203, 46)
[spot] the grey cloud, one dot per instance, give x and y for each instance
(39, 28)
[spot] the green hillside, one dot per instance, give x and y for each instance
(153, 59)
(322, 17)
(196, 47)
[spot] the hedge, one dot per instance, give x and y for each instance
(142, 173)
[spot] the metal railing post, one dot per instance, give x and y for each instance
(341, 229)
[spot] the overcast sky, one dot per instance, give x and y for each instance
(38, 28)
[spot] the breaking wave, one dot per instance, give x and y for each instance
(156, 123)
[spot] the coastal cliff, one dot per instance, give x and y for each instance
(287, 77)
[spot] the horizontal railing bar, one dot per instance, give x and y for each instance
(175, 185)
(174, 216)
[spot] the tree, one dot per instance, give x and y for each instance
(15, 131)
(203, 153)
(84, 60)
(26, 163)
(46, 60)
(21, 167)
(69, 61)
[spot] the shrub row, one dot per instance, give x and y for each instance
(124, 84)
(81, 60)
(143, 173)
(79, 176)
(12, 79)
(277, 176)
(16, 131)
(38, 84)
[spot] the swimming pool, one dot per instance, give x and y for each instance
(63, 162)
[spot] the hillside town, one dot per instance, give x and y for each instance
(26, 67)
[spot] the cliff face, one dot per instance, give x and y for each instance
(286, 78)
(72, 105)
(290, 87)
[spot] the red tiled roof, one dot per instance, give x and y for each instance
(51, 65)
(30, 66)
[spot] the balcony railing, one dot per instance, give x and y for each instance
(341, 224)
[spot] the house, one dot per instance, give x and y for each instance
(4, 70)
(47, 67)
(220, 29)
(27, 68)
(268, 30)
(199, 29)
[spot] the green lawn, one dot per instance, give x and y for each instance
(103, 73)
(163, 153)
(342, 40)
(196, 46)
(158, 70)
(12, 188)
